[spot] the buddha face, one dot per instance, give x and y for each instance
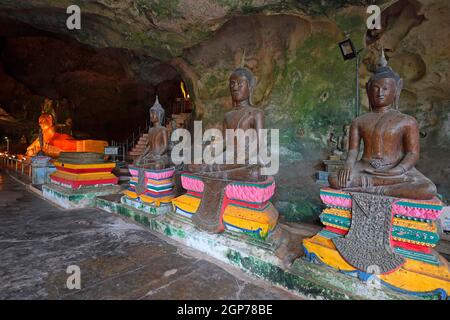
(154, 117)
(45, 121)
(239, 88)
(382, 92)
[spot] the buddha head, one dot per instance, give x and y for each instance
(384, 87)
(46, 121)
(157, 113)
(242, 83)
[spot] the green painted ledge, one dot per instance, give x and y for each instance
(147, 208)
(255, 257)
(76, 199)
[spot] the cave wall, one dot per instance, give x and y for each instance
(304, 87)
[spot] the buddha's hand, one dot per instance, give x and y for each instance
(343, 177)
(396, 171)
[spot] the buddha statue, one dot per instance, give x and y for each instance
(155, 154)
(235, 195)
(383, 222)
(391, 145)
(343, 140)
(151, 172)
(52, 143)
(243, 116)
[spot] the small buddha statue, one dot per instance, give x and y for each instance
(344, 140)
(155, 154)
(152, 172)
(391, 145)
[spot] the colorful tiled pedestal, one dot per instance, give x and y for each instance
(75, 185)
(245, 208)
(75, 176)
(159, 186)
(414, 234)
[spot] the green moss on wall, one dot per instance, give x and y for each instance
(161, 8)
(317, 90)
(313, 93)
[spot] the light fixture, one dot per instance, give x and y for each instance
(347, 49)
(183, 90)
(349, 52)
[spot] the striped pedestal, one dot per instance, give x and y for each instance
(246, 207)
(414, 234)
(76, 176)
(75, 184)
(159, 186)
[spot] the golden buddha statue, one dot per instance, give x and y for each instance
(52, 143)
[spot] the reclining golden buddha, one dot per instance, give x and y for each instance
(52, 143)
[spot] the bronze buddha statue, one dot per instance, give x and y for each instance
(243, 116)
(155, 154)
(218, 175)
(391, 145)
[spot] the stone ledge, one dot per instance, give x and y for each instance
(76, 199)
(256, 258)
(148, 208)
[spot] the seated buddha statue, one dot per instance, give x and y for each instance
(52, 143)
(243, 116)
(155, 154)
(391, 145)
(152, 162)
(234, 194)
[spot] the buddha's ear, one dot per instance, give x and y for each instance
(400, 85)
(368, 95)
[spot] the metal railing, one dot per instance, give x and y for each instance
(10, 162)
(126, 146)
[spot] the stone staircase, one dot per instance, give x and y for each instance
(139, 147)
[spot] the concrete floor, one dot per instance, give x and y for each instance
(117, 259)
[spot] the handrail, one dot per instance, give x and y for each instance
(9, 162)
(128, 144)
